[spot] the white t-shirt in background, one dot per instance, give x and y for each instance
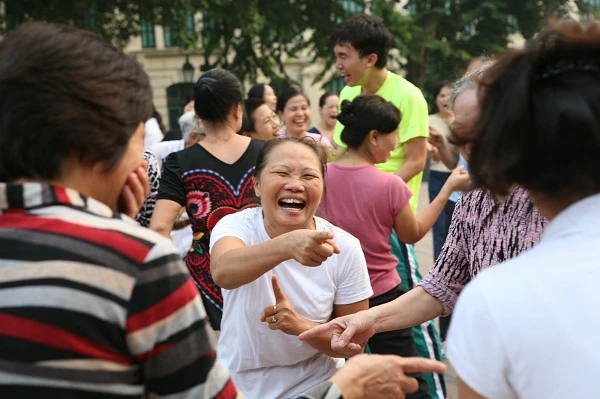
(528, 328)
(272, 364)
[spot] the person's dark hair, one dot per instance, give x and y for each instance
(66, 93)
(263, 154)
(286, 95)
(367, 34)
(257, 91)
(250, 105)
(215, 94)
(365, 113)
(540, 119)
(436, 92)
(324, 97)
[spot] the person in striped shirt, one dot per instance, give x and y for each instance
(92, 305)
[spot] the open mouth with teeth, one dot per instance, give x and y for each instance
(292, 204)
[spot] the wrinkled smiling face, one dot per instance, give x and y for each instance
(330, 110)
(290, 188)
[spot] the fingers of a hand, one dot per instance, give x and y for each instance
(409, 384)
(318, 330)
(353, 349)
(279, 295)
(422, 365)
(321, 236)
(263, 316)
(142, 173)
(333, 244)
(128, 200)
(137, 188)
(323, 250)
(347, 335)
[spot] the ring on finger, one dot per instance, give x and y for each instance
(274, 308)
(273, 319)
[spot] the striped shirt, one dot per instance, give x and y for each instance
(94, 306)
(483, 233)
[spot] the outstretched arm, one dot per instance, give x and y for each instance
(353, 331)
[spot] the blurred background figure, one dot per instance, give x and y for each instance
(439, 120)
(192, 131)
(154, 130)
(211, 179)
(328, 112)
(264, 92)
(293, 107)
(260, 121)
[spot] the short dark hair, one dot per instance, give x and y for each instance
(540, 119)
(257, 91)
(215, 94)
(250, 105)
(288, 94)
(365, 113)
(324, 97)
(263, 153)
(66, 92)
(367, 34)
(436, 92)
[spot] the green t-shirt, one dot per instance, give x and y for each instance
(414, 123)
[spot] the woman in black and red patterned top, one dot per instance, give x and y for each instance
(210, 179)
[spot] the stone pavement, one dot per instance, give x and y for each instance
(424, 250)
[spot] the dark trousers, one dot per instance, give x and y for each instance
(398, 342)
(439, 230)
(445, 321)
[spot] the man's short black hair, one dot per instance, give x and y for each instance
(367, 34)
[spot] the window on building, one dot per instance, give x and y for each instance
(171, 37)
(147, 25)
(352, 7)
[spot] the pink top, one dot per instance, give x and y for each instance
(315, 136)
(364, 201)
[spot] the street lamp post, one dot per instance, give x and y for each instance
(188, 71)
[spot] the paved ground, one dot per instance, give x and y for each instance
(424, 249)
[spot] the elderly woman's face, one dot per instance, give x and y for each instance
(466, 112)
(290, 188)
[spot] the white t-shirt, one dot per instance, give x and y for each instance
(153, 133)
(163, 149)
(271, 364)
(528, 328)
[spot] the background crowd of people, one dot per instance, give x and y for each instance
(123, 255)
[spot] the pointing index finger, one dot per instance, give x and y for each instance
(279, 295)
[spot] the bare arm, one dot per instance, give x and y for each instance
(416, 157)
(234, 264)
(411, 228)
(465, 391)
(165, 214)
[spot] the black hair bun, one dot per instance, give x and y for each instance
(346, 116)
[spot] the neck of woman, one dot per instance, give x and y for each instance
(356, 157)
(218, 132)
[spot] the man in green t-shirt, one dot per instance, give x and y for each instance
(361, 46)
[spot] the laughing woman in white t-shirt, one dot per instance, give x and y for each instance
(284, 271)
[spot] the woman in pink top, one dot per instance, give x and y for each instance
(293, 108)
(369, 203)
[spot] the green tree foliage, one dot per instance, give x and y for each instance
(438, 38)
(115, 20)
(260, 35)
